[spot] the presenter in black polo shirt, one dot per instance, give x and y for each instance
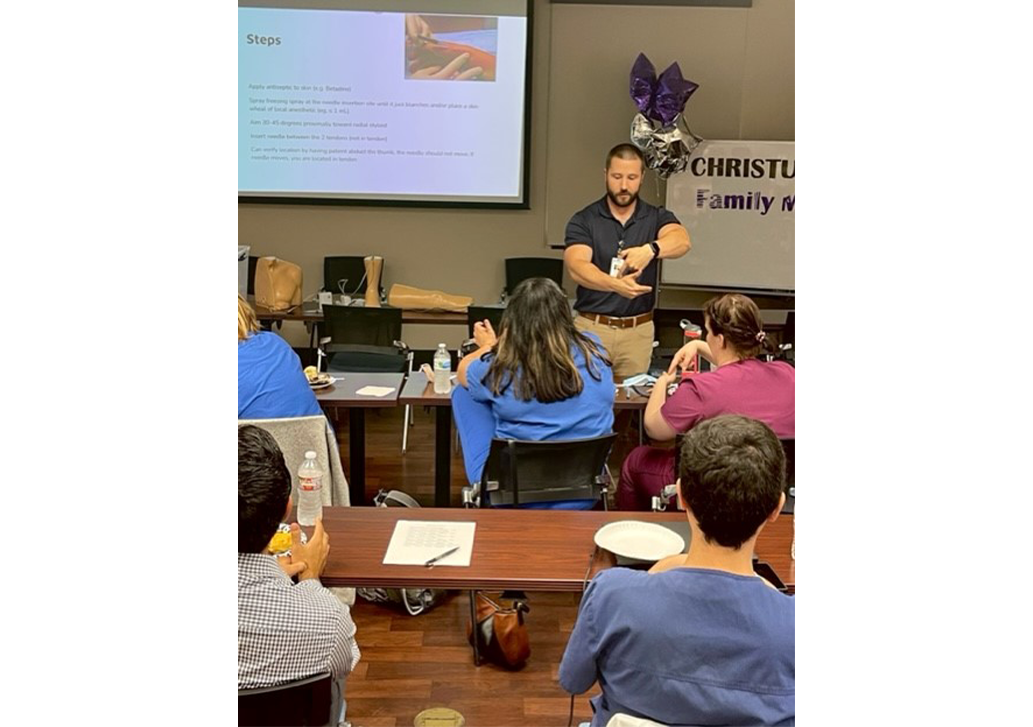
(611, 251)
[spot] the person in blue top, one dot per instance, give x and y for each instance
(539, 379)
(270, 382)
(699, 639)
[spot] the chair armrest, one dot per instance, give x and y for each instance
(661, 501)
(471, 495)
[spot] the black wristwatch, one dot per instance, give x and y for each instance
(656, 249)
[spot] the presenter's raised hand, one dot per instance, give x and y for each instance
(627, 286)
(484, 334)
(636, 258)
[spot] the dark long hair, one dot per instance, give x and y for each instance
(534, 353)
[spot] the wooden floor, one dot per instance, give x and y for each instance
(412, 663)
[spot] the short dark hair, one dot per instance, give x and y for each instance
(263, 488)
(626, 151)
(732, 472)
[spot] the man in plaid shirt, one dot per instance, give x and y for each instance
(285, 631)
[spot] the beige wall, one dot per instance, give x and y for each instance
(742, 59)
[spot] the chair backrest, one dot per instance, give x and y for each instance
(305, 702)
(297, 435)
(363, 326)
(519, 269)
(363, 339)
(252, 265)
(477, 313)
(519, 472)
(350, 268)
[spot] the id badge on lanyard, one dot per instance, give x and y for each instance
(616, 262)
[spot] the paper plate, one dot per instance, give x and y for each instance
(639, 540)
(322, 383)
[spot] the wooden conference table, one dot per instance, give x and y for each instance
(310, 316)
(342, 395)
(534, 550)
(420, 392)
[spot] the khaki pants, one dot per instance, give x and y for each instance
(630, 349)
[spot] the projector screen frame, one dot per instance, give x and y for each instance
(522, 204)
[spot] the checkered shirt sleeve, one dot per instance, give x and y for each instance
(288, 631)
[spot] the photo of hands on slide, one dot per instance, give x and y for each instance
(450, 47)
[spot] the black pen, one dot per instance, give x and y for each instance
(436, 558)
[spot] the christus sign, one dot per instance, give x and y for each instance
(737, 199)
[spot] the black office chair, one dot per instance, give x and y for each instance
(252, 265)
(366, 340)
(346, 275)
(476, 314)
(519, 269)
(519, 473)
(361, 339)
(305, 703)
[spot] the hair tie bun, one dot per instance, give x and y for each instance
(761, 336)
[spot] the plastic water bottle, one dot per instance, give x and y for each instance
(692, 333)
(310, 490)
(442, 370)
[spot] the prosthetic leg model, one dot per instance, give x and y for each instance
(374, 267)
(407, 297)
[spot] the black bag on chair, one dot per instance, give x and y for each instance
(415, 600)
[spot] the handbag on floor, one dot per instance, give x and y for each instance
(501, 632)
(415, 600)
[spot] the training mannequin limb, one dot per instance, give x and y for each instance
(374, 267)
(407, 297)
(277, 284)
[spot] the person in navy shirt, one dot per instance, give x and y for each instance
(270, 382)
(539, 379)
(699, 639)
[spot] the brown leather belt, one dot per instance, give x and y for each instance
(618, 322)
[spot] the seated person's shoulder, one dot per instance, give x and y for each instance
(620, 583)
(320, 599)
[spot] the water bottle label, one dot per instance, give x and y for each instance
(442, 364)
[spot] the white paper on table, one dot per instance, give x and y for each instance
(375, 390)
(414, 542)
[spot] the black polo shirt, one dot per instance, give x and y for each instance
(596, 227)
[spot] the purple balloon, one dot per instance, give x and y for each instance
(672, 93)
(659, 99)
(643, 83)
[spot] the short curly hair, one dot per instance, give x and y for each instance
(733, 472)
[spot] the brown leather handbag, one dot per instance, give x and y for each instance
(501, 632)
